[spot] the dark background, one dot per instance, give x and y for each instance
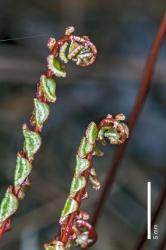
(123, 31)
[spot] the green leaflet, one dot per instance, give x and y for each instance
(77, 184)
(63, 52)
(32, 142)
(55, 67)
(41, 113)
(48, 87)
(85, 147)
(8, 206)
(81, 165)
(23, 169)
(92, 133)
(111, 133)
(70, 206)
(54, 245)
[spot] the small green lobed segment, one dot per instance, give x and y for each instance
(55, 67)
(23, 169)
(87, 143)
(92, 132)
(111, 133)
(84, 148)
(41, 113)
(48, 87)
(8, 206)
(69, 208)
(77, 184)
(32, 142)
(81, 165)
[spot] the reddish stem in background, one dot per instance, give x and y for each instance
(141, 97)
(154, 218)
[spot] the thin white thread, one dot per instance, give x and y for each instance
(23, 38)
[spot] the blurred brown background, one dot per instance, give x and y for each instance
(123, 31)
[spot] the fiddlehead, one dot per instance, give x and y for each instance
(74, 226)
(68, 47)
